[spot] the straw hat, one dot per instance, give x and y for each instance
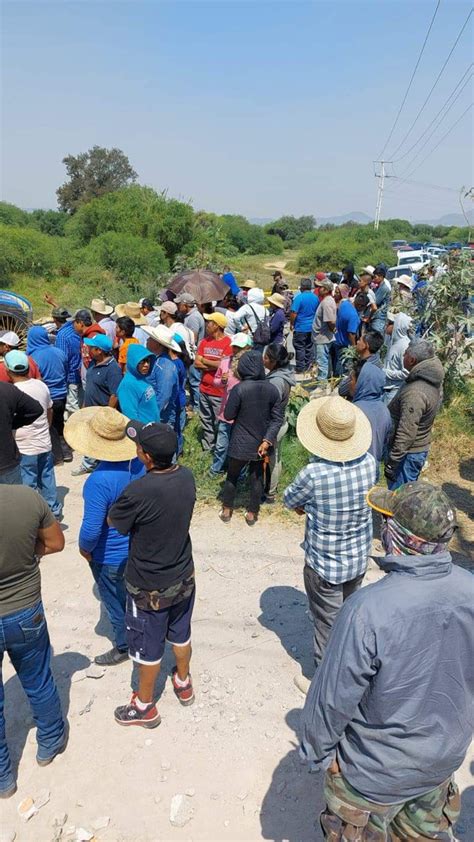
(248, 284)
(277, 300)
(98, 305)
(163, 335)
(99, 432)
(334, 429)
(132, 310)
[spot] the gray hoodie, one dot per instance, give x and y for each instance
(284, 379)
(393, 695)
(393, 365)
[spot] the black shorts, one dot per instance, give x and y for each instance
(148, 631)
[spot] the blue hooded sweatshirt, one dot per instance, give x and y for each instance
(137, 396)
(368, 397)
(51, 361)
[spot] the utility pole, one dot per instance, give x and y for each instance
(466, 194)
(382, 175)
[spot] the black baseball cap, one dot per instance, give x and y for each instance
(159, 440)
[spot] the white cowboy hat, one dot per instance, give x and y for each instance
(100, 432)
(98, 305)
(334, 429)
(163, 335)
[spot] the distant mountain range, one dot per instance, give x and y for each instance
(354, 216)
(451, 219)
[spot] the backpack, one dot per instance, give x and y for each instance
(261, 335)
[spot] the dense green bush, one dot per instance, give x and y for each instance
(11, 215)
(49, 221)
(333, 249)
(138, 211)
(133, 259)
(26, 250)
(291, 228)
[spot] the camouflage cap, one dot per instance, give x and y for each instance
(420, 507)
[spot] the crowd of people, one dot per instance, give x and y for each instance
(118, 386)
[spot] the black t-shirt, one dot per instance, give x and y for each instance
(157, 510)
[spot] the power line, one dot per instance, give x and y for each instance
(439, 112)
(424, 184)
(420, 112)
(411, 81)
(403, 180)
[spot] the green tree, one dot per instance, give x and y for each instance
(49, 221)
(291, 228)
(447, 322)
(11, 215)
(91, 174)
(135, 210)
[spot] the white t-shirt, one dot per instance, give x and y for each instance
(35, 438)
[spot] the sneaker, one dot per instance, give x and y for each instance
(131, 715)
(7, 793)
(80, 471)
(112, 657)
(269, 499)
(185, 695)
(45, 761)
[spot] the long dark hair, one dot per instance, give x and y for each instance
(278, 354)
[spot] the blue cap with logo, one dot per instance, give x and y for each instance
(100, 340)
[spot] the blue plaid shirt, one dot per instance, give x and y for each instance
(338, 532)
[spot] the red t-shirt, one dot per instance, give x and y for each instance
(213, 349)
(33, 372)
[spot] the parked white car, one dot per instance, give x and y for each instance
(406, 258)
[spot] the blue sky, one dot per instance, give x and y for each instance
(260, 108)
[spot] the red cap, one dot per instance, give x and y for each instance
(321, 276)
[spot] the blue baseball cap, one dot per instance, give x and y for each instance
(17, 362)
(100, 340)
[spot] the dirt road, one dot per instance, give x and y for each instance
(233, 754)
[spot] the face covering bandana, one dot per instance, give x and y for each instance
(397, 540)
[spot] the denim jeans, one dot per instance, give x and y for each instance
(24, 636)
(323, 355)
(194, 381)
(111, 584)
(221, 447)
(11, 477)
(38, 473)
(74, 400)
(276, 465)
(409, 469)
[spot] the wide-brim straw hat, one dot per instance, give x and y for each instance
(277, 300)
(99, 432)
(132, 310)
(98, 305)
(334, 429)
(163, 335)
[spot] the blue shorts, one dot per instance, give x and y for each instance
(148, 631)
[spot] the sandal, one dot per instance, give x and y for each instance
(250, 521)
(225, 518)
